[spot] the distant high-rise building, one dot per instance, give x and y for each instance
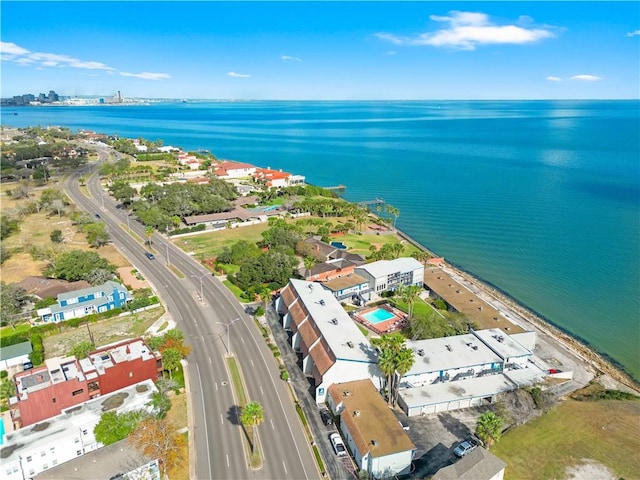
(119, 97)
(53, 96)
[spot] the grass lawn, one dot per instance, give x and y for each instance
(235, 290)
(606, 431)
(361, 243)
(420, 308)
(20, 328)
(210, 244)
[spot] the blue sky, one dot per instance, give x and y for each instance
(322, 50)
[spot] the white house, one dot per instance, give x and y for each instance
(378, 442)
(333, 348)
(36, 448)
(14, 355)
(228, 169)
(387, 275)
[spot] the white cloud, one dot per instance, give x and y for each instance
(146, 75)
(12, 49)
(587, 78)
(289, 58)
(14, 53)
(238, 75)
(551, 78)
(634, 33)
(467, 30)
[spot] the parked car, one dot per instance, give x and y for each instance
(464, 448)
(149, 255)
(338, 445)
(97, 215)
(326, 416)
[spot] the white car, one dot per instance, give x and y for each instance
(338, 445)
(464, 448)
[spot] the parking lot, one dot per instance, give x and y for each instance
(435, 437)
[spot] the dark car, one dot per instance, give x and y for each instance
(149, 255)
(97, 215)
(327, 418)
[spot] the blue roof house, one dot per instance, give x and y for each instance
(80, 303)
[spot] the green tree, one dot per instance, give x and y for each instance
(99, 276)
(12, 299)
(160, 404)
(81, 350)
(7, 390)
(489, 428)
(97, 234)
(148, 231)
(395, 359)
(393, 211)
(56, 236)
(171, 360)
(77, 265)
(251, 416)
(409, 294)
(114, 426)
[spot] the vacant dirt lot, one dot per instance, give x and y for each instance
(104, 332)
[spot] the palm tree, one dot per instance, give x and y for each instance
(421, 256)
(409, 294)
(309, 263)
(148, 231)
(393, 211)
(489, 428)
(252, 415)
(394, 361)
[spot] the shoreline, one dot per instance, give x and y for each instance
(536, 322)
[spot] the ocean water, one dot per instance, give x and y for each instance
(539, 198)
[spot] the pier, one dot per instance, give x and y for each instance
(368, 203)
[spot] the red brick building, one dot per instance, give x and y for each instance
(64, 382)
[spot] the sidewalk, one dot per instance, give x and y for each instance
(154, 329)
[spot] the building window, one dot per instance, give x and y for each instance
(29, 458)
(54, 462)
(84, 432)
(78, 453)
(53, 400)
(52, 449)
(45, 466)
(43, 453)
(77, 392)
(32, 472)
(77, 440)
(130, 374)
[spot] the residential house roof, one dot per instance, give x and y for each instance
(16, 350)
(106, 287)
(50, 287)
(340, 283)
(479, 464)
(382, 268)
(323, 252)
(467, 302)
(371, 423)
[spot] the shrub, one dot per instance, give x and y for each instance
(198, 228)
(284, 375)
(440, 304)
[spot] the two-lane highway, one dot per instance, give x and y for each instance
(217, 434)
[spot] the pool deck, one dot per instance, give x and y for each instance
(398, 322)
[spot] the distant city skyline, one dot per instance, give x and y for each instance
(322, 50)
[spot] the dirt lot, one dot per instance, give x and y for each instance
(104, 332)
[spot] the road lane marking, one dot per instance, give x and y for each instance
(210, 362)
(242, 339)
(206, 433)
(252, 363)
(221, 420)
(272, 425)
(216, 385)
(261, 390)
(227, 460)
(285, 467)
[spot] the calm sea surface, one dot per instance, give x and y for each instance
(539, 198)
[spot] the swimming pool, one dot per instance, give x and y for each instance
(378, 315)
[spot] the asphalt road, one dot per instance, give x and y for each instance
(216, 431)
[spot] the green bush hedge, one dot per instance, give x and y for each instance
(197, 228)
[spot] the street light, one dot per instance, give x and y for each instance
(201, 291)
(228, 324)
